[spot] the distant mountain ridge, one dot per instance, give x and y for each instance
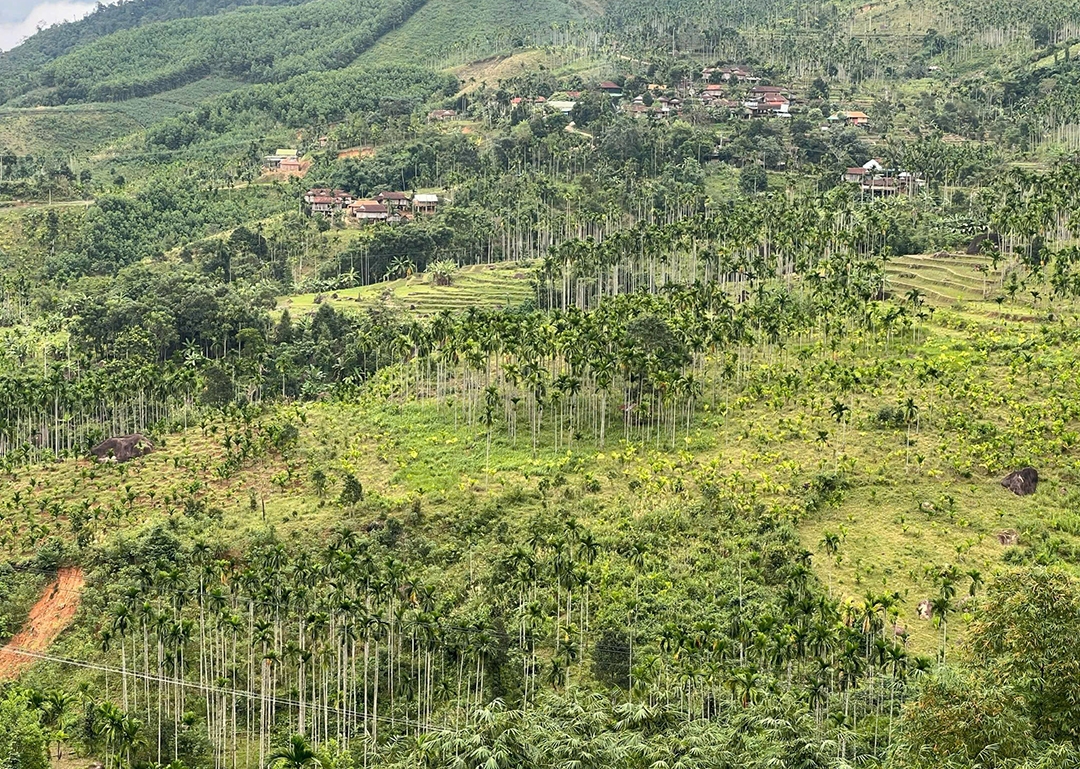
(53, 42)
(254, 43)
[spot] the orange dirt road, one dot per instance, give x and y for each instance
(50, 616)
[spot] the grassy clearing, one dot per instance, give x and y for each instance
(895, 17)
(490, 71)
(86, 128)
(40, 131)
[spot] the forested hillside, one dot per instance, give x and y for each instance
(564, 384)
(263, 44)
(19, 65)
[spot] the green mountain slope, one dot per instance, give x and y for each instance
(265, 44)
(443, 27)
(316, 98)
(18, 64)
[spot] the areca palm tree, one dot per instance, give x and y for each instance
(296, 754)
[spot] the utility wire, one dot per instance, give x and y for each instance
(210, 689)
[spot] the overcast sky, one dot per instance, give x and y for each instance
(20, 18)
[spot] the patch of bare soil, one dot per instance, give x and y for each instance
(48, 619)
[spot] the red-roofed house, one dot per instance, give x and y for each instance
(322, 200)
(855, 175)
(760, 92)
(290, 165)
(366, 211)
(856, 118)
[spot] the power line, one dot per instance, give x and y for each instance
(210, 689)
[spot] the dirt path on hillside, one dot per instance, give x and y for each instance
(50, 616)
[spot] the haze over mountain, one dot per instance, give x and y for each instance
(19, 19)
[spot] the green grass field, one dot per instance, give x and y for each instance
(85, 129)
(488, 286)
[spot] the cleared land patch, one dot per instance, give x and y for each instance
(50, 616)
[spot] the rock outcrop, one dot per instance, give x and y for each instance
(123, 448)
(1022, 482)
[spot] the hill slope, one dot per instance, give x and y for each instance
(17, 65)
(265, 44)
(480, 27)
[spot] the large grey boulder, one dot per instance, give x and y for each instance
(122, 448)
(1022, 482)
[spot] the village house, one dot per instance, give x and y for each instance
(273, 162)
(770, 106)
(425, 203)
(855, 175)
(666, 106)
(728, 74)
(439, 115)
(874, 179)
(738, 73)
(324, 201)
(394, 201)
(369, 211)
(763, 92)
(611, 88)
(763, 101)
(853, 118)
(290, 166)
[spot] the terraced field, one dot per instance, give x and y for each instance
(944, 278)
(489, 286)
(968, 285)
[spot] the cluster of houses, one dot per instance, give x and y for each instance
(734, 88)
(384, 207)
(874, 178)
(662, 106)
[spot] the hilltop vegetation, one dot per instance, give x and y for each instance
(53, 42)
(259, 45)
